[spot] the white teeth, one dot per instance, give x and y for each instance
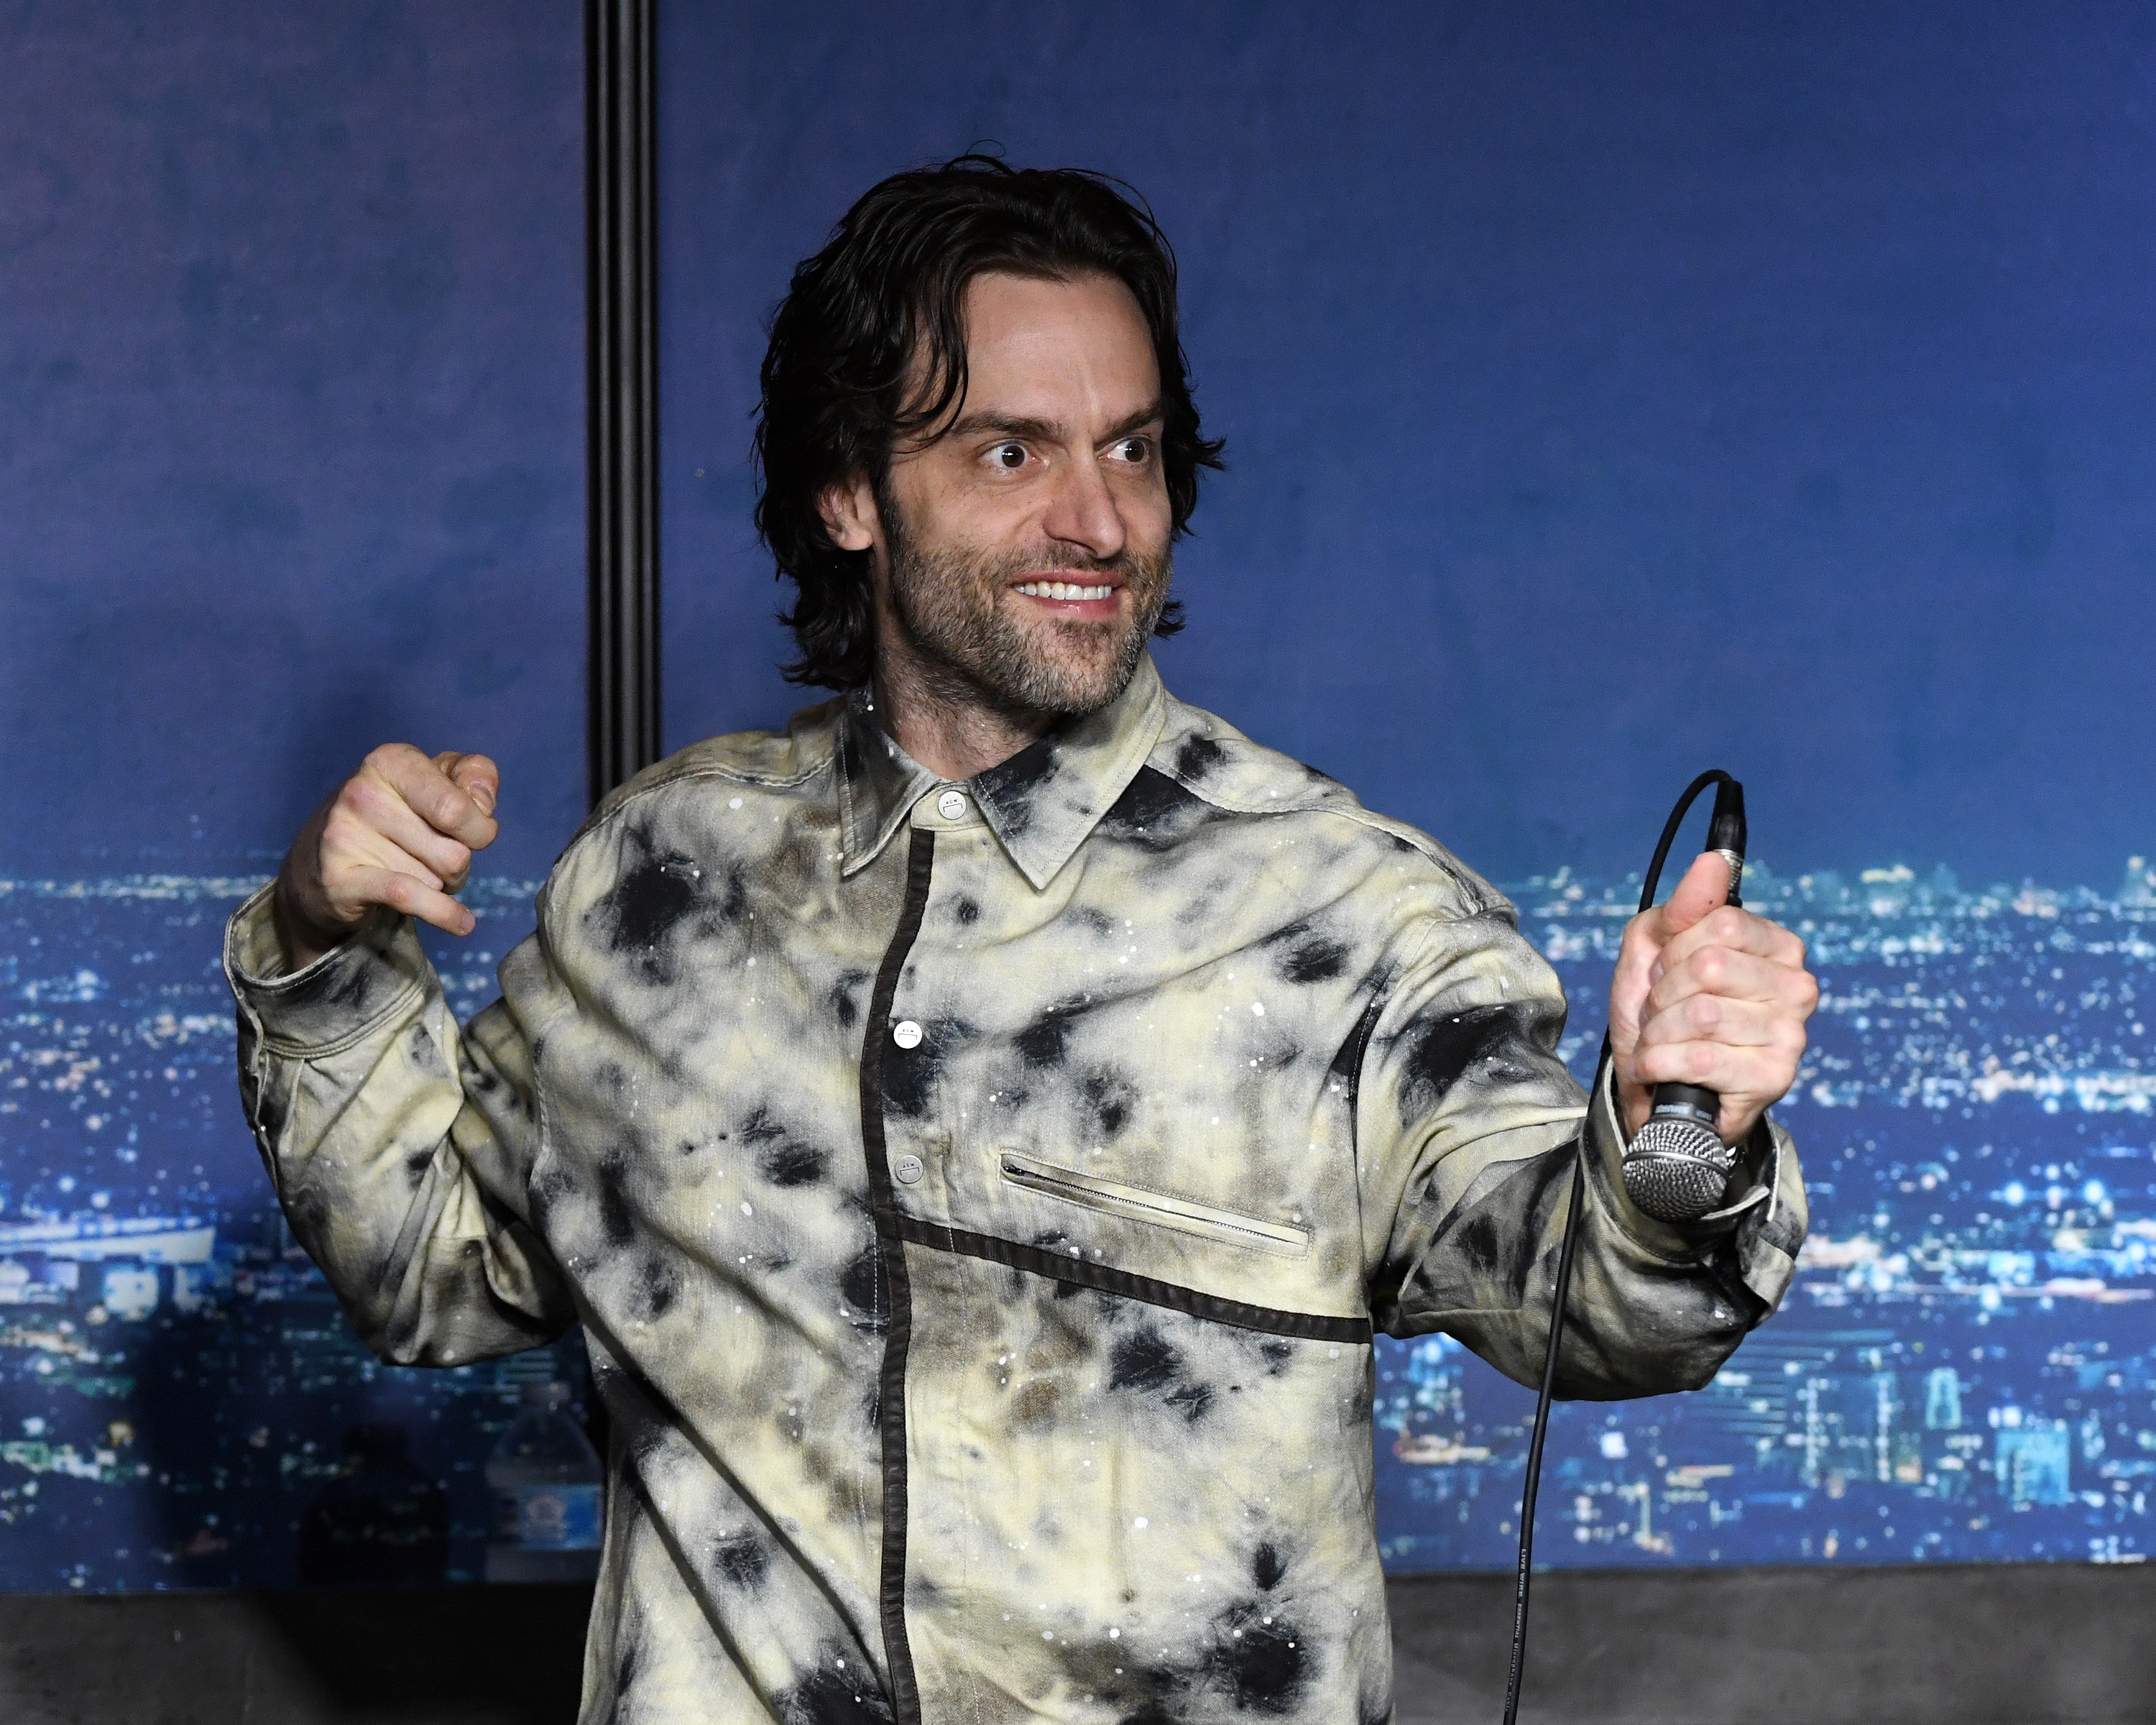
(1062, 590)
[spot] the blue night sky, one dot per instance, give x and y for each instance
(1610, 391)
(291, 454)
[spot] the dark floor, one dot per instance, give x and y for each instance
(1957, 1645)
(1990, 1645)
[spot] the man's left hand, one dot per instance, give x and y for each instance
(1709, 994)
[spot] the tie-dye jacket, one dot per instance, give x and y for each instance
(979, 1201)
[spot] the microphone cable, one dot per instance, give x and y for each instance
(1578, 1202)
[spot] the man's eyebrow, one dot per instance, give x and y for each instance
(1009, 425)
(1046, 430)
(1132, 421)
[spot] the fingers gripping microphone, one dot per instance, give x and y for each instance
(1676, 1168)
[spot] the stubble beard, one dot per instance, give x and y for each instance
(971, 650)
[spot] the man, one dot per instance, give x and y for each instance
(978, 1128)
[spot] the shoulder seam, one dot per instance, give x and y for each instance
(1478, 902)
(607, 814)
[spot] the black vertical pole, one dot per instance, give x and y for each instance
(622, 413)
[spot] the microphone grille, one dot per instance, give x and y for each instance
(1677, 1170)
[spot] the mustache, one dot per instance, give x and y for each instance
(1135, 570)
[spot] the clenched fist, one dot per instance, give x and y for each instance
(399, 832)
(1707, 993)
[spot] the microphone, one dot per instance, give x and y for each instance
(1676, 1168)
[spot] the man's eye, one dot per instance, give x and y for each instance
(1010, 457)
(1135, 450)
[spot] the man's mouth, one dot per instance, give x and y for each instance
(1065, 590)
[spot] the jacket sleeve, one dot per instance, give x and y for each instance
(1468, 1126)
(400, 1148)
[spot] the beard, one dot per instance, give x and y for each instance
(971, 649)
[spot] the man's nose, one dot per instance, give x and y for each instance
(1083, 510)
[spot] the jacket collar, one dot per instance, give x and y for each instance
(1041, 803)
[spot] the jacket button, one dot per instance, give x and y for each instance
(905, 1034)
(907, 1168)
(951, 805)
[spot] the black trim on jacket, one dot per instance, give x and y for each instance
(897, 1650)
(1038, 1261)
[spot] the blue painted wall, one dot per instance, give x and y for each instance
(291, 462)
(1609, 391)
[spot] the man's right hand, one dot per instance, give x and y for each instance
(399, 832)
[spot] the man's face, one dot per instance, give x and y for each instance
(1022, 556)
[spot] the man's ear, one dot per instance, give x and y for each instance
(848, 509)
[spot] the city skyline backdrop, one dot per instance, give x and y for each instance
(1607, 396)
(1965, 1368)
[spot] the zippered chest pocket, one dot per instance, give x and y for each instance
(1162, 1210)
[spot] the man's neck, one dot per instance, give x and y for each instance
(952, 731)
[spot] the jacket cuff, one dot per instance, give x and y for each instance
(374, 972)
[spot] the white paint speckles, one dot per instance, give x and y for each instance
(1257, 1008)
(749, 1210)
(733, 802)
(1139, 1522)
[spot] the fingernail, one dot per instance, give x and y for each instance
(485, 798)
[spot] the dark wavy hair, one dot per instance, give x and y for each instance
(869, 346)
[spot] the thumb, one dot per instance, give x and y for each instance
(475, 776)
(1704, 888)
